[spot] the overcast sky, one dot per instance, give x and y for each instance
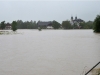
(48, 10)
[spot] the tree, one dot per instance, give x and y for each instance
(82, 25)
(35, 26)
(97, 24)
(3, 25)
(75, 26)
(19, 24)
(56, 25)
(14, 25)
(86, 25)
(90, 24)
(66, 25)
(27, 24)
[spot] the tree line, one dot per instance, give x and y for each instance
(27, 24)
(56, 25)
(19, 24)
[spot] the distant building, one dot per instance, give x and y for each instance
(8, 26)
(76, 21)
(45, 24)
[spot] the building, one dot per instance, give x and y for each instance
(7, 26)
(76, 21)
(45, 24)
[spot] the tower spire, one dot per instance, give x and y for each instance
(71, 17)
(76, 17)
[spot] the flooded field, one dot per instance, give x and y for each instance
(49, 52)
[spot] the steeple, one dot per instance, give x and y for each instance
(76, 18)
(71, 17)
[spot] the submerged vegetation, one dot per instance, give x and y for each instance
(39, 28)
(6, 32)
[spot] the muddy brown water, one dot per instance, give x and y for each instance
(49, 52)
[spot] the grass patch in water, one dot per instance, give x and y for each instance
(7, 32)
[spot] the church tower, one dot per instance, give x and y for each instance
(72, 18)
(76, 18)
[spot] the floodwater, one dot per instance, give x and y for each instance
(49, 52)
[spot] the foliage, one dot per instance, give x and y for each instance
(3, 25)
(26, 24)
(75, 26)
(14, 25)
(56, 25)
(66, 25)
(86, 25)
(82, 25)
(97, 24)
(90, 24)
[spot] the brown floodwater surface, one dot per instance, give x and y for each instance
(49, 52)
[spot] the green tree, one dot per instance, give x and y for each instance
(82, 25)
(75, 26)
(66, 25)
(97, 24)
(90, 24)
(35, 26)
(86, 25)
(3, 25)
(14, 25)
(19, 24)
(27, 24)
(56, 25)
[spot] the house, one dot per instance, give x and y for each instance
(45, 24)
(7, 26)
